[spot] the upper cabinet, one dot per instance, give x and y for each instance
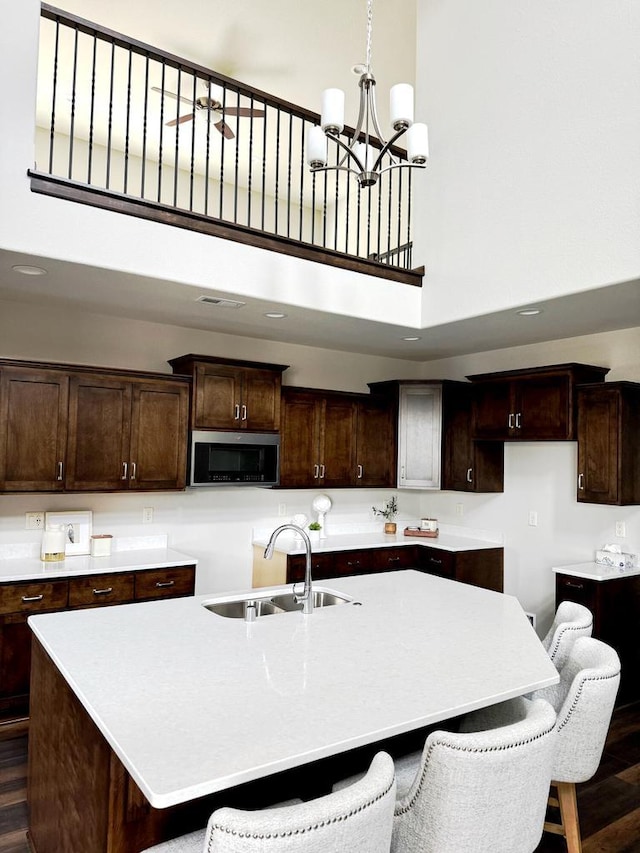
(73, 429)
(232, 395)
(537, 404)
(335, 439)
(609, 443)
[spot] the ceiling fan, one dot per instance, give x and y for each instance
(213, 103)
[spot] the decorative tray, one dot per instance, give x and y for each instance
(416, 531)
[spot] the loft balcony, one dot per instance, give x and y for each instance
(124, 126)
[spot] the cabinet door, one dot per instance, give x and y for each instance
(394, 559)
(420, 437)
(99, 429)
(322, 567)
(467, 465)
(375, 444)
(543, 411)
(299, 440)
(217, 397)
(158, 447)
(260, 406)
(433, 561)
(353, 562)
(598, 467)
(493, 411)
(338, 453)
(33, 429)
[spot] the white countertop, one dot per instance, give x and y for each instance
(595, 572)
(231, 701)
(32, 569)
(353, 541)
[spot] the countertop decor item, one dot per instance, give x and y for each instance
(425, 534)
(322, 504)
(78, 526)
(389, 512)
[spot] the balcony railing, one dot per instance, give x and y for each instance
(129, 127)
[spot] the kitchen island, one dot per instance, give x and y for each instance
(138, 711)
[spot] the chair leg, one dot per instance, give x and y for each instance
(569, 816)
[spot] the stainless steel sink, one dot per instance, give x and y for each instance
(321, 598)
(238, 609)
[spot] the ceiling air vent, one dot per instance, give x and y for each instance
(221, 303)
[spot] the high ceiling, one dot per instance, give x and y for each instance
(293, 50)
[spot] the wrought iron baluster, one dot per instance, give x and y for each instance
(145, 116)
(127, 126)
(264, 168)
(53, 97)
(92, 107)
(176, 145)
(161, 137)
(277, 175)
(237, 163)
(72, 122)
(222, 150)
(110, 124)
(400, 171)
(303, 158)
(289, 159)
(193, 144)
(207, 156)
(250, 167)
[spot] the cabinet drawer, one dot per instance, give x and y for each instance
(436, 562)
(388, 559)
(322, 566)
(580, 590)
(95, 590)
(165, 583)
(354, 562)
(33, 597)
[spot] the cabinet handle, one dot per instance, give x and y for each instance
(316, 471)
(574, 585)
(133, 471)
(322, 470)
(510, 421)
(244, 413)
(581, 482)
(469, 475)
(27, 599)
(353, 562)
(236, 415)
(435, 562)
(518, 418)
(360, 472)
(124, 471)
(393, 559)
(164, 584)
(60, 471)
(104, 591)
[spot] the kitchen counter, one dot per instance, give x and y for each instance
(193, 703)
(32, 569)
(595, 571)
(286, 544)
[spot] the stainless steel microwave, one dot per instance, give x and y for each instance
(234, 459)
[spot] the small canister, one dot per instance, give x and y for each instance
(101, 544)
(53, 542)
(429, 524)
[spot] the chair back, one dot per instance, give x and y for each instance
(571, 621)
(483, 791)
(584, 701)
(357, 819)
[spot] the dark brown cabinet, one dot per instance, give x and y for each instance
(483, 567)
(609, 443)
(334, 440)
(33, 429)
(615, 605)
(536, 404)
(18, 601)
(232, 395)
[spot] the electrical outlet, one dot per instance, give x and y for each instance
(34, 521)
(147, 515)
(282, 509)
(621, 529)
(533, 518)
(460, 509)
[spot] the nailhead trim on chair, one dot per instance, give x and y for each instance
(435, 743)
(573, 627)
(579, 693)
(316, 826)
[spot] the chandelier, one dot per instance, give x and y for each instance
(361, 158)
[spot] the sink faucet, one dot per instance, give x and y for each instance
(306, 597)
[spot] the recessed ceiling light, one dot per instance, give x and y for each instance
(26, 269)
(412, 338)
(275, 315)
(529, 312)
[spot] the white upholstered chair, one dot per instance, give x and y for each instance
(571, 621)
(484, 792)
(357, 819)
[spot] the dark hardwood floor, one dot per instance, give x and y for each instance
(609, 804)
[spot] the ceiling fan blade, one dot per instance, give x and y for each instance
(171, 95)
(180, 120)
(224, 129)
(243, 111)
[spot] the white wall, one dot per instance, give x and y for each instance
(533, 182)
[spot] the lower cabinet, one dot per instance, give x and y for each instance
(18, 601)
(615, 605)
(482, 568)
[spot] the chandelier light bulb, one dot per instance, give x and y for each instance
(332, 111)
(418, 143)
(401, 106)
(316, 147)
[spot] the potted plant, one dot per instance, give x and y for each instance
(314, 531)
(388, 511)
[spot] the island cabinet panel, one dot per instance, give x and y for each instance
(537, 404)
(33, 429)
(608, 443)
(231, 394)
(615, 605)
